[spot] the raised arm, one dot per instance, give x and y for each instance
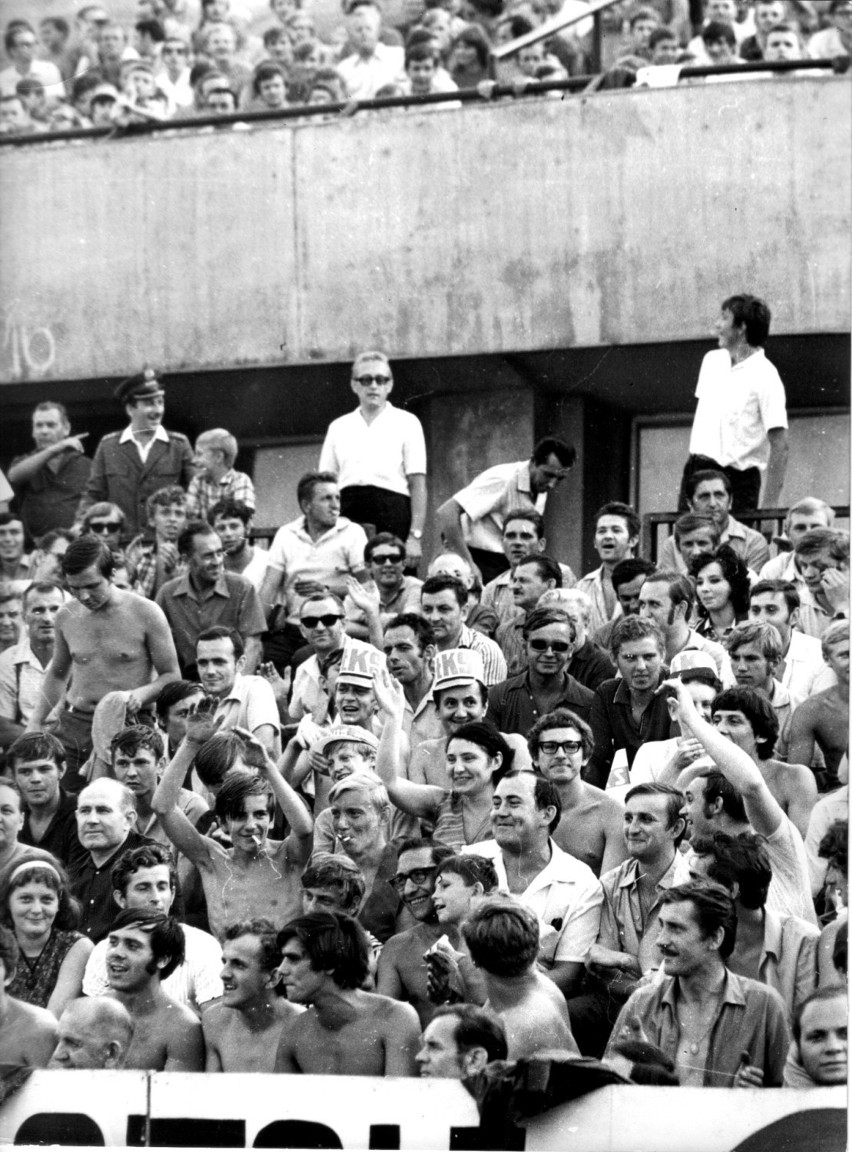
(295, 812)
(366, 598)
(763, 810)
(30, 465)
(803, 728)
(178, 828)
(448, 518)
(421, 800)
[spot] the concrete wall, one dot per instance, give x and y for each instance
(546, 224)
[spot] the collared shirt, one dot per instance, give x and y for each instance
(311, 695)
(249, 704)
(334, 555)
(512, 706)
(750, 1018)
(614, 727)
(834, 806)
(788, 958)
(497, 593)
(49, 498)
(622, 927)
(593, 585)
(749, 545)
(513, 645)
(92, 885)
(152, 572)
(565, 896)
(804, 671)
(382, 454)
(493, 661)
(488, 498)
(590, 666)
(364, 77)
(232, 602)
(144, 446)
(738, 405)
(204, 493)
(21, 679)
(405, 599)
(423, 722)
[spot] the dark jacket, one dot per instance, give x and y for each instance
(119, 475)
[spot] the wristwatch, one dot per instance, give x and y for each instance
(416, 534)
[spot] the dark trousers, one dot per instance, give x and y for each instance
(385, 511)
(745, 485)
(490, 564)
(75, 735)
(593, 1015)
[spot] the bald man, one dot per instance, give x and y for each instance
(93, 1033)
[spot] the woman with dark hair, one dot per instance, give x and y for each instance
(36, 905)
(467, 61)
(477, 757)
(722, 590)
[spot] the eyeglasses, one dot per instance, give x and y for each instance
(174, 51)
(371, 379)
(551, 747)
(103, 526)
(386, 558)
(417, 876)
(314, 621)
(553, 645)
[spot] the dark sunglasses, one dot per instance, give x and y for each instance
(100, 526)
(551, 747)
(553, 645)
(417, 876)
(386, 559)
(313, 621)
(369, 379)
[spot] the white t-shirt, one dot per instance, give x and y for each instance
(738, 404)
(193, 983)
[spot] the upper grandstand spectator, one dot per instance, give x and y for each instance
(822, 556)
(372, 64)
(215, 478)
(269, 86)
(663, 46)
(767, 14)
(113, 52)
(784, 42)
(218, 42)
(54, 32)
(801, 518)
(468, 57)
(173, 76)
(50, 480)
(836, 40)
(709, 492)
(232, 521)
(21, 45)
(617, 529)
(14, 118)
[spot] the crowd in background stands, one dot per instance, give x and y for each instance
(485, 813)
(177, 61)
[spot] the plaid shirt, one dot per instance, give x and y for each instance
(202, 493)
(143, 555)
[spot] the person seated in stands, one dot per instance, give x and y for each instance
(780, 951)
(643, 22)
(667, 598)
(344, 1032)
(522, 536)
(154, 552)
(745, 1043)
(836, 40)
(722, 591)
(801, 518)
(694, 534)
(755, 651)
(480, 618)
(628, 577)
(218, 42)
(444, 604)
(818, 1056)
(460, 883)
(468, 57)
(106, 521)
(822, 556)
(502, 935)
(589, 665)
(92, 1035)
(709, 492)
(242, 1030)
(834, 849)
(28, 1033)
(822, 721)
(663, 46)
(143, 948)
(409, 647)
(215, 477)
(231, 520)
(422, 65)
(36, 764)
(384, 557)
(784, 42)
(532, 576)
(802, 669)
(590, 827)
(371, 64)
(459, 1041)
(768, 14)
(617, 530)
(269, 87)
(11, 617)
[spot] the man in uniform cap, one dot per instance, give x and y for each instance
(130, 465)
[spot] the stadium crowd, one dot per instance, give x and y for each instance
(178, 59)
(295, 809)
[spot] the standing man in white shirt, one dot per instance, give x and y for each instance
(379, 454)
(372, 65)
(740, 425)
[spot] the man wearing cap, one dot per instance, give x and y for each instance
(667, 598)
(130, 466)
(379, 454)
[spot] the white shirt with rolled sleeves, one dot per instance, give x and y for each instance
(383, 453)
(336, 554)
(566, 896)
(364, 77)
(488, 498)
(195, 982)
(738, 405)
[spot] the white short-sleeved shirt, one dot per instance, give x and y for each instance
(336, 553)
(488, 498)
(738, 404)
(194, 982)
(382, 454)
(250, 704)
(790, 890)
(566, 890)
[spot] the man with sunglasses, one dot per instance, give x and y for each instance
(321, 621)
(389, 591)
(379, 454)
(173, 77)
(516, 704)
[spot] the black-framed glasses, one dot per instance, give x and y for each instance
(417, 876)
(314, 621)
(365, 380)
(554, 645)
(103, 526)
(386, 558)
(551, 747)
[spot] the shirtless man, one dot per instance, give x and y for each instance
(824, 719)
(403, 972)
(27, 1033)
(256, 876)
(144, 948)
(93, 1034)
(242, 1031)
(345, 1032)
(112, 641)
(590, 827)
(502, 936)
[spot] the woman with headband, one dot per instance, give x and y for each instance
(36, 905)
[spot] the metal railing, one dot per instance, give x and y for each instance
(551, 27)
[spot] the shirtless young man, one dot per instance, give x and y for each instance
(590, 826)
(256, 876)
(242, 1031)
(144, 947)
(823, 719)
(27, 1033)
(502, 937)
(112, 641)
(345, 1032)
